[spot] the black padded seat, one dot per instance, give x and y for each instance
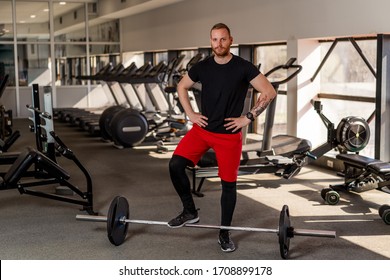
(284, 145)
(357, 160)
(380, 168)
(287, 145)
(24, 162)
(19, 167)
(8, 157)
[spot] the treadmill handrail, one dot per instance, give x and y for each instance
(288, 65)
(270, 113)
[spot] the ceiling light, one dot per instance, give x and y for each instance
(33, 16)
(45, 10)
(62, 3)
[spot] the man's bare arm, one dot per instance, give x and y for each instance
(267, 94)
(182, 89)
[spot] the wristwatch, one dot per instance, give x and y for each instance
(250, 116)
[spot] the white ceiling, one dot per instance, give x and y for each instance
(24, 10)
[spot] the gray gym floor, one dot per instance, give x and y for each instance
(43, 229)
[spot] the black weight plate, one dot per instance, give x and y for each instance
(284, 228)
(105, 119)
(116, 229)
(129, 128)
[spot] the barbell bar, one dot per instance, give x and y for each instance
(118, 220)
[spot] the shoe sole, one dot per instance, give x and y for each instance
(226, 250)
(193, 221)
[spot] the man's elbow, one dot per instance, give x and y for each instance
(181, 88)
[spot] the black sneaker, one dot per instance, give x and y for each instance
(184, 218)
(226, 242)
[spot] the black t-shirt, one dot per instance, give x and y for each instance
(224, 88)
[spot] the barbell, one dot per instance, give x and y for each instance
(118, 220)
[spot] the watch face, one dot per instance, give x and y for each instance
(249, 115)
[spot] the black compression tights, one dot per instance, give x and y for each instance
(228, 202)
(179, 178)
(177, 166)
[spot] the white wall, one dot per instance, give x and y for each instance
(186, 24)
(67, 96)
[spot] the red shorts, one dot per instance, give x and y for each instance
(227, 149)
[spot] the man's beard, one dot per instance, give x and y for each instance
(221, 52)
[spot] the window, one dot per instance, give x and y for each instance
(32, 20)
(70, 63)
(70, 43)
(6, 29)
(33, 61)
(7, 63)
(129, 57)
(267, 57)
(345, 73)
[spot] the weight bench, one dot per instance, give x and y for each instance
(27, 159)
(364, 173)
(285, 159)
(32, 168)
(360, 174)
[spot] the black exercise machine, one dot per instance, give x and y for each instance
(129, 127)
(44, 142)
(99, 124)
(283, 155)
(19, 177)
(89, 120)
(38, 167)
(351, 134)
(173, 80)
(99, 75)
(75, 115)
(360, 173)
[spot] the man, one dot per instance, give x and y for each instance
(225, 79)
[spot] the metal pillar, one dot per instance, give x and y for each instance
(382, 104)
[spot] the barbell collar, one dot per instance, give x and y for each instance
(90, 218)
(315, 233)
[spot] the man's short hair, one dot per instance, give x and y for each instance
(220, 26)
